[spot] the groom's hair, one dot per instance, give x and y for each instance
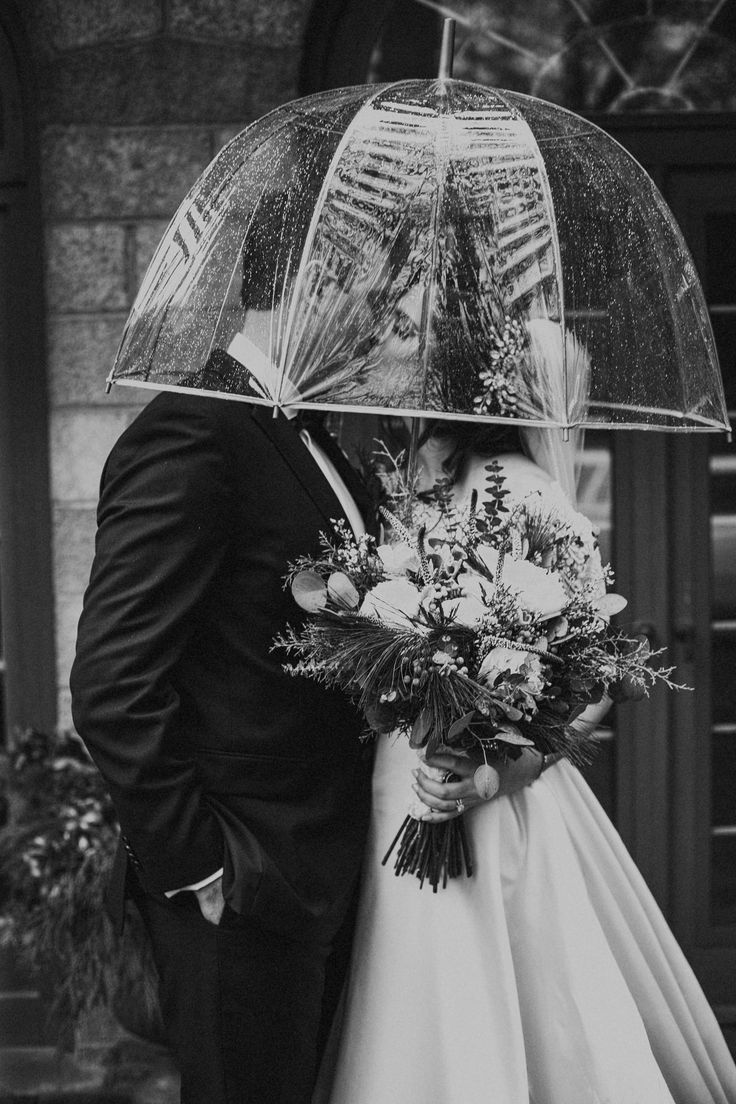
(265, 257)
(278, 229)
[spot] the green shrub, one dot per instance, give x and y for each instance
(56, 850)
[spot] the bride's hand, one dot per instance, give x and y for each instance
(445, 800)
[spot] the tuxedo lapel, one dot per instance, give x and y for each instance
(284, 435)
(347, 473)
(223, 373)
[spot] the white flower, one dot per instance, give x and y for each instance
(503, 661)
(469, 610)
(538, 591)
(534, 681)
(500, 660)
(445, 555)
(443, 660)
(470, 607)
(398, 559)
(395, 602)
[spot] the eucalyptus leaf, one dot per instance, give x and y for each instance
(460, 725)
(510, 734)
(610, 604)
(511, 711)
(421, 728)
(309, 591)
(486, 781)
(380, 717)
(342, 591)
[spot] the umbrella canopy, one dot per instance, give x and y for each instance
(430, 247)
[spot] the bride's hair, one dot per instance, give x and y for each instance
(473, 438)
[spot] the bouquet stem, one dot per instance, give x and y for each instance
(432, 852)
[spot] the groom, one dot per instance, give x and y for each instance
(242, 793)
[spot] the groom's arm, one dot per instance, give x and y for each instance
(163, 530)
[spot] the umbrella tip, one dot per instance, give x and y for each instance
(447, 50)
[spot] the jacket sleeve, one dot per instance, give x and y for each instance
(163, 532)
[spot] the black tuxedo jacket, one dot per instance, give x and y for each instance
(212, 753)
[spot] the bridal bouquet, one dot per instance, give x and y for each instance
(494, 635)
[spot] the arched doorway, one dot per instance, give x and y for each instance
(28, 670)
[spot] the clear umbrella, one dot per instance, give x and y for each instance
(430, 247)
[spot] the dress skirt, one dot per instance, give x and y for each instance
(548, 977)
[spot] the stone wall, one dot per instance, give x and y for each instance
(134, 97)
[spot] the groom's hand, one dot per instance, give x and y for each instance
(445, 800)
(211, 901)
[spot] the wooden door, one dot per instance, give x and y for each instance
(704, 614)
(675, 506)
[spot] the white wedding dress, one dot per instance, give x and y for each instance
(549, 977)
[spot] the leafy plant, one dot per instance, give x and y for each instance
(55, 854)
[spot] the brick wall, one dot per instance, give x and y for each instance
(135, 97)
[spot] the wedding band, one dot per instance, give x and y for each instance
(460, 804)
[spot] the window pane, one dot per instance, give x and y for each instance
(724, 331)
(723, 879)
(720, 274)
(724, 771)
(607, 57)
(723, 529)
(724, 683)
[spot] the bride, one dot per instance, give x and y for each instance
(549, 976)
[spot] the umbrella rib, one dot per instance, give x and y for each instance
(431, 291)
(557, 271)
(709, 425)
(659, 410)
(311, 232)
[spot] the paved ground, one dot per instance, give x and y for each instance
(127, 1072)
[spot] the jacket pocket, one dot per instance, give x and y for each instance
(255, 888)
